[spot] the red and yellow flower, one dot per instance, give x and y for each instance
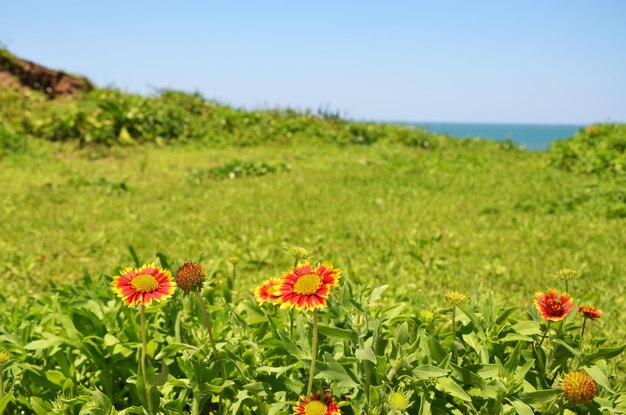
(306, 286)
(143, 285)
(267, 291)
(590, 311)
(317, 405)
(552, 306)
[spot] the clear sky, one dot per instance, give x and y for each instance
(557, 61)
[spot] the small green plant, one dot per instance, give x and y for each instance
(236, 169)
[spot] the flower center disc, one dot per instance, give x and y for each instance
(554, 306)
(315, 408)
(307, 284)
(271, 290)
(144, 283)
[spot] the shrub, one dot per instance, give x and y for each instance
(597, 149)
(11, 141)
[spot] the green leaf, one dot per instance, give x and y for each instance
(337, 373)
(514, 337)
(5, 401)
(40, 406)
(110, 340)
(161, 378)
(278, 407)
(428, 372)
(527, 328)
(403, 334)
(376, 294)
(452, 388)
(599, 376)
(606, 353)
(337, 333)
(540, 397)
(55, 376)
(365, 354)
(521, 408)
(513, 361)
(172, 350)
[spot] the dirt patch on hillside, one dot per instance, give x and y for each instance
(23, 74)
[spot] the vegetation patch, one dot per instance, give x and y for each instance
(597, 149)
(236, 169)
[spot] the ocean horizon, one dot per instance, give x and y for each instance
(531, 136)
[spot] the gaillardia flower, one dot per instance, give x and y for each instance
(267, 291)
(590, 311)
(552, 307)
(579, 387)
(190, 277)
(142, 285)
(317, 405)
(306, 286)
(456, 298)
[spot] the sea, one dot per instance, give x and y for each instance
(530, 136)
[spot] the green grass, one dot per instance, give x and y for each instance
(430, 220)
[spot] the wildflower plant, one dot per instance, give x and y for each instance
(143, 286)
(307, 287)
(190, 278)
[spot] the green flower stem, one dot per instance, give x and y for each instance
(233, 277)
(365, 365)
(313, 353)
(453, 323)
(1, 383)
(582, 333)
(144, 352)
(209, 328)
(543, 336)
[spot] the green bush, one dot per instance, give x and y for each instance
(597, 149)
(11, 141)
(110, 117)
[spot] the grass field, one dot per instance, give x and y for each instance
(108, 180)
(478, 213)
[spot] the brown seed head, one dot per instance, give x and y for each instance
(579, 387)
(190, 277)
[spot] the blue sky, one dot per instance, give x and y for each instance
(466, 61)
